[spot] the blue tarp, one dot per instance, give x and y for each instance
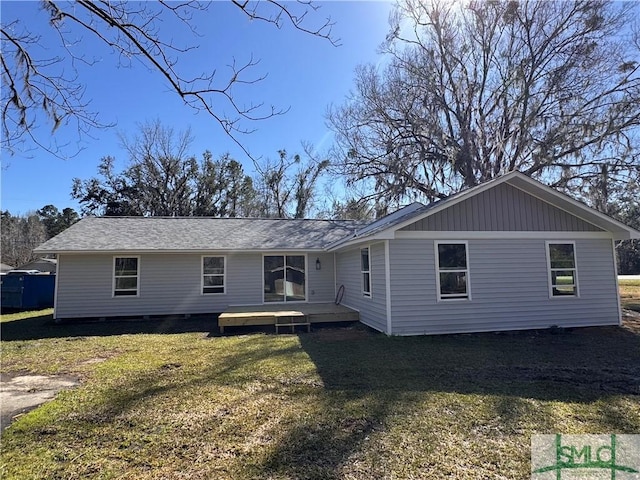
(27, 292)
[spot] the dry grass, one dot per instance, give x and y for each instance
(314, 406)
(630, 294)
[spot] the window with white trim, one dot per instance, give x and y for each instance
(285, 278)
(365, 271)
(452, 265)
(125, 276)
(213, 269)
(563, 278)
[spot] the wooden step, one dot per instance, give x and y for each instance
(292, 319)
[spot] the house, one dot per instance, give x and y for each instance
(43, 265)
(509, 254)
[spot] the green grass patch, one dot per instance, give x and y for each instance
(44, 315)
(335, 403)
(630, 294)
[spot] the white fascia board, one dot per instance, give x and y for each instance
(497, 235)
(178, 251)
(384, 235)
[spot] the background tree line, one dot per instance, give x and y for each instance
(164, 179)
(22, 233)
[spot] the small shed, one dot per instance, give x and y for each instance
(44, 265)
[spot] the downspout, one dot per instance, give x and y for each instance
(55, 286)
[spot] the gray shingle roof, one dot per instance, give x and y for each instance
(196, 234)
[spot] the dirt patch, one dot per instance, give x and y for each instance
(93, 361)
(21, 393)
(631, 320)
(332, 334)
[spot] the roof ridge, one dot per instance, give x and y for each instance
(197, 217)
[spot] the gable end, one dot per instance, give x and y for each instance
(503, 208)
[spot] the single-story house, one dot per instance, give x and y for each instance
(509, 254)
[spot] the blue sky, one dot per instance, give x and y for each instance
(305, 74)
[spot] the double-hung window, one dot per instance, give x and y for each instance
(563, 275)
(125, 276)
(365, 271)
(213, 275)
(452, 265)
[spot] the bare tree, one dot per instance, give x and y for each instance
(352, 209)
(41, 89)
(474, 90)
(164, 179)
(286, 186)
(111, 194)
(159, 181)
(20, 235)
(224, 189)
(162, 169)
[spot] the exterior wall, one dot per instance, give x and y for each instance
(372, 309)
(321, 282)
(509, 288)
(503, 208)
(171, 284)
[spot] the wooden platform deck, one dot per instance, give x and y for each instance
(286, 315)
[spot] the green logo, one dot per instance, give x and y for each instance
(585, 456)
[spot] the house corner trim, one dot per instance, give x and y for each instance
(387, 277)
(615, 274)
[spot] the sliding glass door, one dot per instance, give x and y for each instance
(284, 278)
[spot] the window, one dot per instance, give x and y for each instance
(365, 271)
(562, 269)
(452, 271)
(125, 276)
(213, 275)
(284, 278)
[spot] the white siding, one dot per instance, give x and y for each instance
(321, 282)
(509, 287)
(372, 309)
(170, 284)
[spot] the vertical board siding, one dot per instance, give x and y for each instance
(171, 284)
(509, 288)
(503, 208)
(373, 310)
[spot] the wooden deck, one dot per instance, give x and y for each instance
(286, 315)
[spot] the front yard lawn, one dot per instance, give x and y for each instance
(335, 403)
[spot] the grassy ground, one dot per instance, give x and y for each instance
(630, 294)
(335, 403)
